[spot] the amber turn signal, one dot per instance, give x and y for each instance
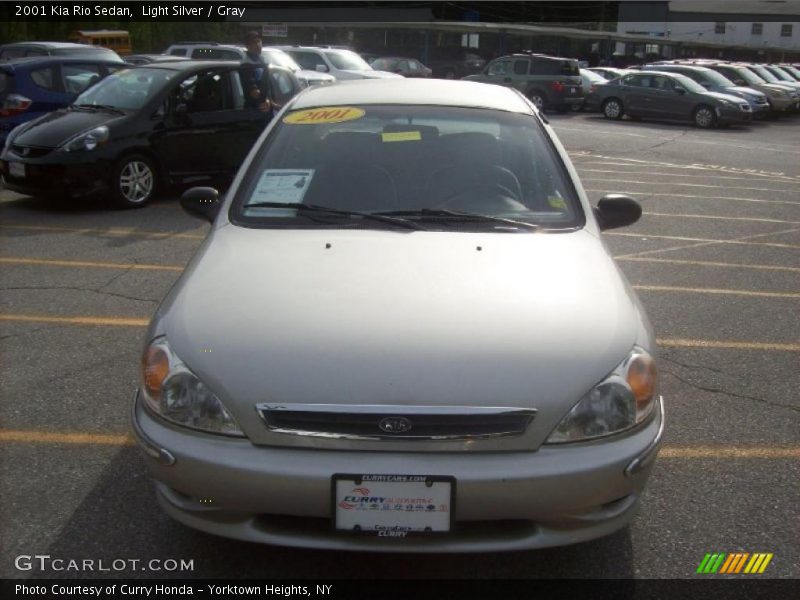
(155, 368)
(642, 378)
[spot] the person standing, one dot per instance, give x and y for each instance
(256, 75)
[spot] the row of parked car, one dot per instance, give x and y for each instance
(709, 93)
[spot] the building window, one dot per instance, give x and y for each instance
(786, 30)
(719, 27)
(757, 29)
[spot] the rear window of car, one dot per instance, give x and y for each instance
(549, 66)
(44, 78)
(384, 158)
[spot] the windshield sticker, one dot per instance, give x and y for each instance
(282, 185)
(329, 114)
(402, 136)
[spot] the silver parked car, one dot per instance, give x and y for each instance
(403, 333)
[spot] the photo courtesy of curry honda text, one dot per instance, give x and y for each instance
(403, 333)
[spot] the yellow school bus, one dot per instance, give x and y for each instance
(115, 39)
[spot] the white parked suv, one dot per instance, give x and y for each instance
(273, 56)
(341, 63)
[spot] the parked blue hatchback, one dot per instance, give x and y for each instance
(31, 87)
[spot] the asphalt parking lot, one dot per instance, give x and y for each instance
(715, 259)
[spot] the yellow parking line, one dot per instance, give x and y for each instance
(704, 263)
(674, 183)
(667, 288)
(115, 321)
(48, 437)
(720, 218)
(124, 439)
(671, 195)
(683, 343)
(681, 175)
(705, 240)
(113, 231)
(728, 452)
(81, 263)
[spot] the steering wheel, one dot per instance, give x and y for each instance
(489, 189)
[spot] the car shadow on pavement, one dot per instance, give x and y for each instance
(736, 128)
(120, 518)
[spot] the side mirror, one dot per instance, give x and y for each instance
(617, 210)
(706, 85)
(739, 82)
(680, 90)
(322, 68)
(201, 202)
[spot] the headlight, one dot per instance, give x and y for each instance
(621, 401)
(172, 391)
(88, 140)
(11, 134)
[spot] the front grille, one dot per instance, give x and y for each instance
(395, 422)
(30, 151)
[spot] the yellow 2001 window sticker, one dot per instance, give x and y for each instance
(325, 114)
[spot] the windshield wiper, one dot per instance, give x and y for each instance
(467, 216)
(399, 222)
(106, 107)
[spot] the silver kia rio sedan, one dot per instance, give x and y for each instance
(403, 333)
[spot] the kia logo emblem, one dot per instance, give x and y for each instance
(395, 425)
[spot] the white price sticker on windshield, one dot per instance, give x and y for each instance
(282, 185)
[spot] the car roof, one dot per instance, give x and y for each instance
(51, 45)
(435, 92)
(33, 61)
(189, 65)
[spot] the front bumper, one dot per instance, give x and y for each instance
(734, 114)
(70, 175)
(555, 496)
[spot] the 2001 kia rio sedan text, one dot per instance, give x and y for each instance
(404, 332)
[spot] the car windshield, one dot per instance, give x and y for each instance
(344, 59)
(127, 90)
(280, 58)
(764, 74)
(690, 84)
(779, 74)
(414, 162)
(716, 78)
(750, 77)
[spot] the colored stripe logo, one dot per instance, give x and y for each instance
(735, 563)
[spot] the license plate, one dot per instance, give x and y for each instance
(395, 506)
(573, 90)
(16, 169)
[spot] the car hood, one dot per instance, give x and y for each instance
(55, 128)
(746, 90)
(392, 317)
(728, 97)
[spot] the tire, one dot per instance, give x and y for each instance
(613, 109)
(538, 98)
(704, 117)
(134, 181)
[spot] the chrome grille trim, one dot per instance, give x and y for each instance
(360, 422)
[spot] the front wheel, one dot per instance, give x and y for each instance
(612, 109)
(705, 117)
(133, 181)
(538, 99)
